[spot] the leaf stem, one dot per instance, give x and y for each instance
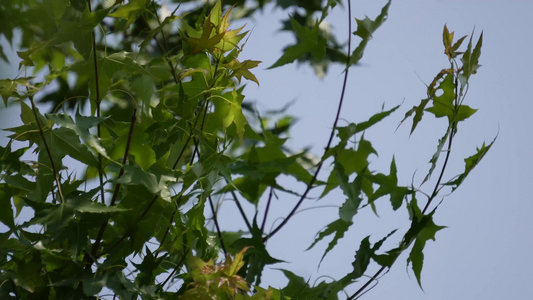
(178, 266)
(215, 219)
(328, 146)
(360, 290)
(241, 210)
(164, 51)
(166, 233)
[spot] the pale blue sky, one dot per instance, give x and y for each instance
(485, 251)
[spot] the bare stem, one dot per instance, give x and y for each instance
(48, 151)
(241, 211)
(215, 219)
(266, 210)
(328, 146)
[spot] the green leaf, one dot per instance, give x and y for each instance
(298, 288)
(9, 87)
(134, 175)
(464, 112)
(374, 119)
(351, 190)
(81, 128)
(139, 146)
(130, 11)
(6, 209)
(352, 161)
(362, 259)
(365, 29)
(423, 230)
(242, 69)
(388, 185)
(337, 227)
(436, 155)
(470, 163)
(443, 105)
(470, 59)
(29, 270)
(67, 142)
(86, 206)
(419, 112)
(257, 256)
(122, 61)
(309, 41)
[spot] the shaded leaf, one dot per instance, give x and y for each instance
(6, 209)
(338, 228)
(309, 41)
(388, 185)
(130, 11)
(257, 256)
(365, 29)
(470, 163)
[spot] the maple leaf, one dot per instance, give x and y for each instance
(242, 69)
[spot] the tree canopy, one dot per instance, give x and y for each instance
(135, 128)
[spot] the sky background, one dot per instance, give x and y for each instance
(484, 253)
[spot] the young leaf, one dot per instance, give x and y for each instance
(243, 69)
(470, 58)
(130, 11)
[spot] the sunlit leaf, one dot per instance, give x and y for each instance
(130, 10)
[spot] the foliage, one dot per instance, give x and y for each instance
(151, 108)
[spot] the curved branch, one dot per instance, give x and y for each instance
(328, 146)
(48, 151)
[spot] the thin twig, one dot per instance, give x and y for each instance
(436, 189)
(166, 233)
(215, 219)
(241, 210)
(164, 51)
(266, 210)
(48, 151)
(96, 244)
(97, 102)
(178, 266)
(328, 146)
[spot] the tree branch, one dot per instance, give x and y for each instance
(328, 146)
(48, 151)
